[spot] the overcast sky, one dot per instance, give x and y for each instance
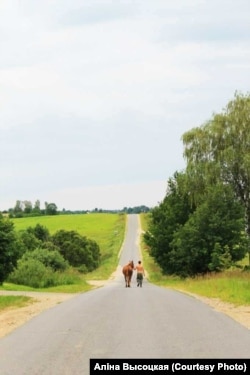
(95, 95)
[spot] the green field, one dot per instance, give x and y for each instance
(102, 228)
(92, 225)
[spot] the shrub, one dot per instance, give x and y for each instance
(77, 249)
(29, 240)
(49, 258)
(32, 273)
(69, 277)
(40, 232)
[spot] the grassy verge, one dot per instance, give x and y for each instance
(230, 286)
(14, 301)
(81, 287)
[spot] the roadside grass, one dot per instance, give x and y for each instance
(229, 286)
(107, 230)
(81, 287)
(14, 301)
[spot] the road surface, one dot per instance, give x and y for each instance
(118, 322)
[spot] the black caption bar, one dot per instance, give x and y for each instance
(171, 366)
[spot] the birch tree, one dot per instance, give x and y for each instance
(219, 151)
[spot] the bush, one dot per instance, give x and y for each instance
(32, 273)
(82, 269)
(29, 240)
(68, 277)
(40, 232)
(77, 250)
(49, 258)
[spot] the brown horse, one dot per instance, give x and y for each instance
(128, 272)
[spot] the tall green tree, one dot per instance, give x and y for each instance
(220, 151)
(212, 238)
(166, 219)
(37, 209)
(50, 208)
(27, 207)
(18, 209)
(9, 249)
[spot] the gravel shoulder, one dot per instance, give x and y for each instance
(240, 314)
(12, 318)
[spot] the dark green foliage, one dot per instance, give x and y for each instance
(49, 245)
(35, 237)
(211, 239)
(172, 213)
(187, 240)
(40, 232)
(50, 208)
(220, 258)
(9, 249)
(216, 234)
(218, 152)
(77, 250)
(29, 240)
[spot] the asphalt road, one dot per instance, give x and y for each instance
(118, 322)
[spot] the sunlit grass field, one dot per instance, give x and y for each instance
(97, 226)
(231, 286)
(105, 229)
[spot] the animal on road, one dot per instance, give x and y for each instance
(128, 272)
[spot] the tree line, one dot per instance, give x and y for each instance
(203, 223)
(26, 208)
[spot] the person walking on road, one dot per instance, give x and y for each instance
(140, 273)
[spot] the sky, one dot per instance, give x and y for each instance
(95, 95)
